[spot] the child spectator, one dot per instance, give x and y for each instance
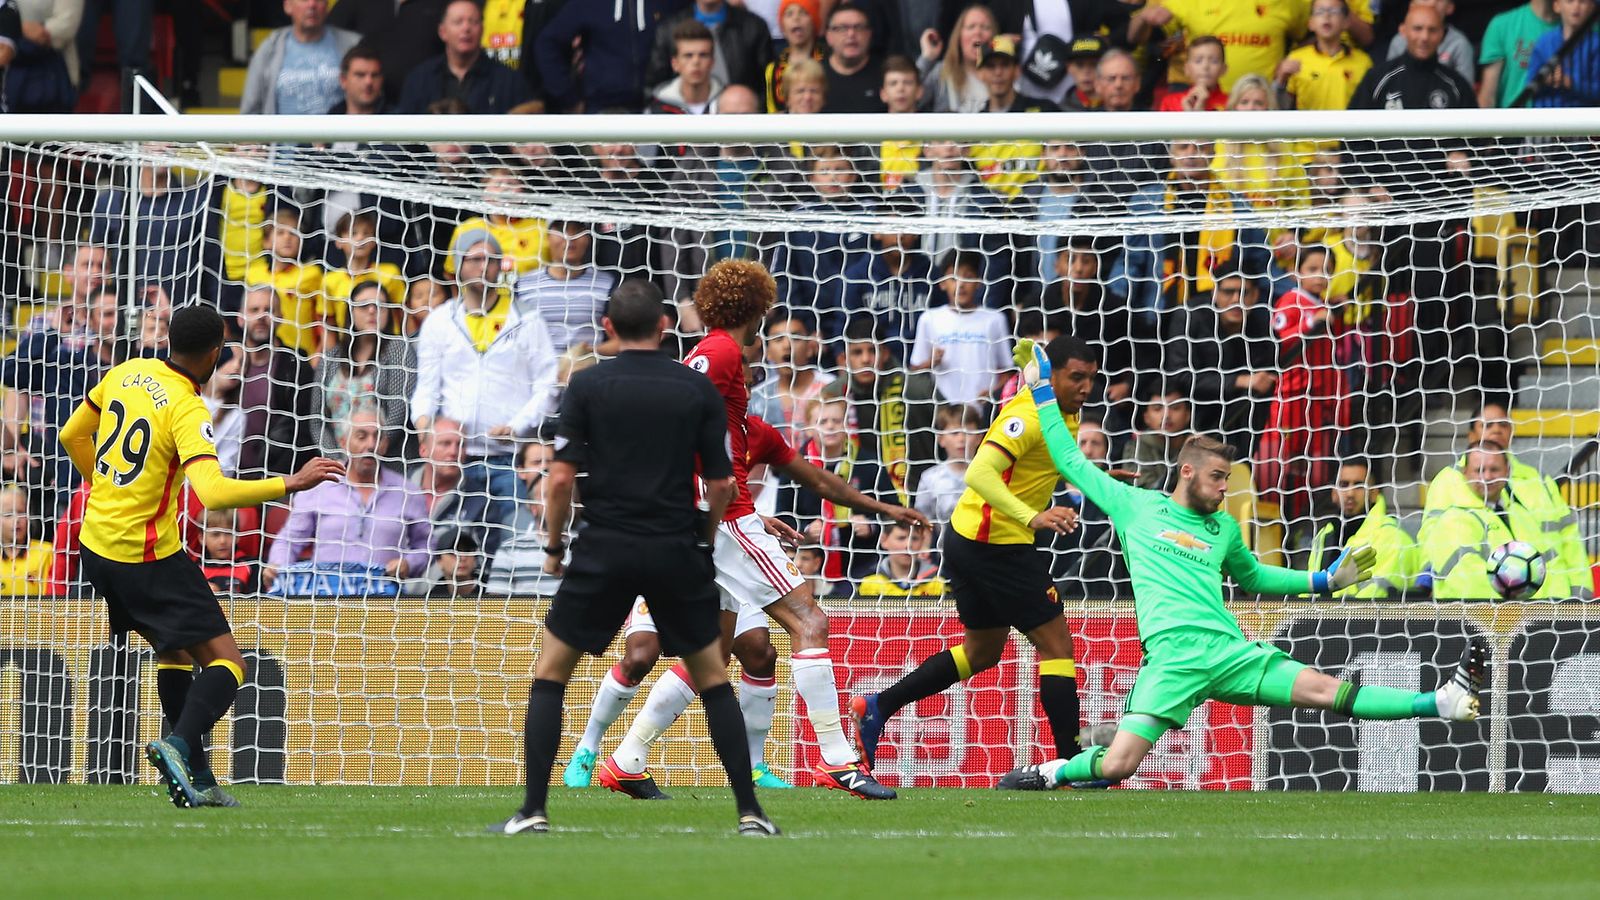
(1577, 81)
(25, 563)
(455, 568)
(301, 307)
(242, 208)
(1083, 65)
(224, 563)
(1166, 427)
(967, 347)
(424, 294)
(1203, 68)
(829, 443)
(1507, 46)
(793, 378)
(960, 432)
(522, 240)
(1296, 454)
(801, 21)
(1324, 73)
(898, 161)
(906, 569)
(355, 236)
(809, 560)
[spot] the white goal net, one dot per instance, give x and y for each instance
(1353, 300)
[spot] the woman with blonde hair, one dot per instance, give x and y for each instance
(1267, 174)
(949, 68)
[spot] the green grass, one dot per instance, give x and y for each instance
(306, 843)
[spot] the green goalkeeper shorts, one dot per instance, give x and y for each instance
(1185, 667)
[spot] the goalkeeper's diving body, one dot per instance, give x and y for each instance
(1178, 547)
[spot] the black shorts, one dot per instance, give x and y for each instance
(610, 569)
(167, 600)
(999, 585)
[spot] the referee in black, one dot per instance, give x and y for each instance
(636, 424)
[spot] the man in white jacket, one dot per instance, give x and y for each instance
(490, 366)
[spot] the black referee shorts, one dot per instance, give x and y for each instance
(610, 569)
(167, 600)
(999, 585)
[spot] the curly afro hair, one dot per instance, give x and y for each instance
(733, 293)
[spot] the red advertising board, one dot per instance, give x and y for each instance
(970, 735)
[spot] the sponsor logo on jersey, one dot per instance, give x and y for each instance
(1185, 540)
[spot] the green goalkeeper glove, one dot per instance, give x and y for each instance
(1035, 366)
(1353, 566)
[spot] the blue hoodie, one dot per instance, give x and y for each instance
(617, 37)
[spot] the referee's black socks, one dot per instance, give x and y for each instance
(936, 673)
(1058, 694)
(726, 725)
(541, 739)
(209, 697)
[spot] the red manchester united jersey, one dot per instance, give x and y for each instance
(720, 358)
(767, 446)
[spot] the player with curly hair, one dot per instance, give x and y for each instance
(754, 573)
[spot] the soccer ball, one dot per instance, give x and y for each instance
(1516, 570)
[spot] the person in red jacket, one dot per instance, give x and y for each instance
(1297, 458)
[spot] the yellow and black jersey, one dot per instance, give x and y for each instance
(1032, 476)
(152, 425)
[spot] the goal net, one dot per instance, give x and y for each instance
(1353, 301)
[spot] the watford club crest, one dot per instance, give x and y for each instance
(1185, 540)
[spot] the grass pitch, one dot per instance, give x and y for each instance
(305, 843)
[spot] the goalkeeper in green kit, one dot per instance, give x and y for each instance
(1177, 548)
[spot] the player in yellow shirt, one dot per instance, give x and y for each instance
(1000, 581)
(138, 434)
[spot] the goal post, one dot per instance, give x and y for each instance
(1318, 288)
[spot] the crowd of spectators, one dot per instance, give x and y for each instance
(428, 344)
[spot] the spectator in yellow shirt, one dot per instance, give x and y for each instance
(356, 236)
(24, 562)
(298, 285)
(1268, 174)
(1256, 34)
(906, 570)
(1324, 73)
(521, 239)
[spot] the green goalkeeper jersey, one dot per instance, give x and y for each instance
(1176, 557)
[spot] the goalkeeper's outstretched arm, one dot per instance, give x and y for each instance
(1106, 492)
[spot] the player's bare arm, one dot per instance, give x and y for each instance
(830, 486)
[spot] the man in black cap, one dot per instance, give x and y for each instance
(1083, 59)
(997, 66)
